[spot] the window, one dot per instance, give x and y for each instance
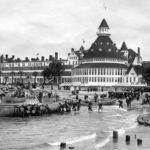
(130, 79)
(112, 79)
(100, 49)
(89, 71)
(109, 50)
(101, 43)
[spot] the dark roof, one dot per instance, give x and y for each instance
(131, 56)
(146, 64)
(124, 46)
(103, 47)
(101, 65)
(137, 68)
(104, 24)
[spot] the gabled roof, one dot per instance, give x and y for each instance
(124, 46)
(137, 69)
(103, 24)
(103, 47)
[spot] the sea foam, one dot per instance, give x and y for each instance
(74, 140)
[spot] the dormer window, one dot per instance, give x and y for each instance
(101, 43)
(109, 50)
(107, 43)
(100, 49)
(95, 43)
(92, 50)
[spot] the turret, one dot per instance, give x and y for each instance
(103, 29)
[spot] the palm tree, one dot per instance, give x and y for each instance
(35, 75)
(45, 73)
(21, 73)
(56, 68)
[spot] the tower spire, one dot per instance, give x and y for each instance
(103, 29)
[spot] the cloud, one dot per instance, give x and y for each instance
(46, 26)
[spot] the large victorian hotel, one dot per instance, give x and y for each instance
(103, 64)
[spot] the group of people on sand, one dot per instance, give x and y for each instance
(26, 110)
(70, 105)
(96, 101)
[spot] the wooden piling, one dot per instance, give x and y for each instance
(127, 139)
(139, 142)
(62, 145)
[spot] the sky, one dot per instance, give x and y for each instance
(31, 27)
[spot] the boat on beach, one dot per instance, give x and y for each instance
(7, 110)
(105, 101)
(11, 110)
(143, 121)
(9, 99)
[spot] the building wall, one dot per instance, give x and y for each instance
(10, 72)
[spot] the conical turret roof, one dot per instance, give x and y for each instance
(103, 24)
(124, 46)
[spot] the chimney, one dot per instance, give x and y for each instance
(139, 51)
(72, 49)
(6, 57)
(50, 57)
(42, 58)
(56, 56)
(13, 57)
(26, 59)
(2, 58)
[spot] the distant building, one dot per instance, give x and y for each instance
(16, 70)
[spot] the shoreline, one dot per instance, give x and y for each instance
(135, 132)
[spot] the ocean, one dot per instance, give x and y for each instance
(81, 130)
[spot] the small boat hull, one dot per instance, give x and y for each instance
(7, 110)
(8, 99)
(10, 110)
(104, 102)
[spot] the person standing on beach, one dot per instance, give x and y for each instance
(95, 97)
(90, 106)
(100, 106)
(120, 103)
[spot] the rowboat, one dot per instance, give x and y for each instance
(8, 99)
(108, 102)
(51, 99)
(7, 110)
(142, 121)
(103, 102)
(10, 110)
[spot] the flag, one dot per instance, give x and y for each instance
(83, 41)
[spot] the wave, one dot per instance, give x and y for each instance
(104, 142)
(75, 140)
(107, 140)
